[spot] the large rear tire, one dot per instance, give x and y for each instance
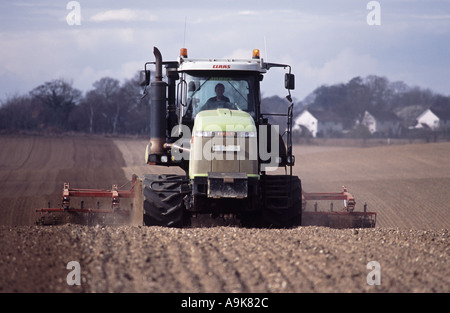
(164, 200)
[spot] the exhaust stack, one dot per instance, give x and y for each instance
(158, 122)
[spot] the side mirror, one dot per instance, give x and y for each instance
(144, 79)
(289, 81)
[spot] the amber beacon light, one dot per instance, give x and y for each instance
(183, 53)
(255, 53)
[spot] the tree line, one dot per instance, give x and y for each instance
(56, 106)
(377, 95)
(111, 107)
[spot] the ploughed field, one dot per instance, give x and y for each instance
(407, 185)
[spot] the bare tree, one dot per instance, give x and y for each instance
(17, 112)
(107, 91)
(137, 109)
(57, 98)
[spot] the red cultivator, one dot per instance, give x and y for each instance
(98, 206)
(345, 218)
(118, 207)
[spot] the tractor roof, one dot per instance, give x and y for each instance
(255, 64)
(252, 65)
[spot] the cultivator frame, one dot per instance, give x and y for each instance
(88, 215)
(116, 214)
(345, 218)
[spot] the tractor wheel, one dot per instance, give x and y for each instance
(282, 201)
(164, 200)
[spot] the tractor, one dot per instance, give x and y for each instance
(206, 118)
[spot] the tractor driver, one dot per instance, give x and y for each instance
(219, 101)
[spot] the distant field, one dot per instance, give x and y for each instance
(407, 185)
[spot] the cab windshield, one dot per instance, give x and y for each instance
(234, 92)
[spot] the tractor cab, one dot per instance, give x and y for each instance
(210, 84)
(229, 87)
(210, 91)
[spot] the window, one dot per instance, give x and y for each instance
(235, 91)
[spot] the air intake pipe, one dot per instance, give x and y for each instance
(158, 122)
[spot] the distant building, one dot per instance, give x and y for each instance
(318, 123)
(427, 120)
(307, 120)
(433, 119)
(385, 124)
(370, 122)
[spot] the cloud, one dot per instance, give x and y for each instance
(340, 69)
(240, 54)
(247, 12)
(123, 15)
(432, 17)
(325, 43)
(347, 64)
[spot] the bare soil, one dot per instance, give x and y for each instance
(407, 185)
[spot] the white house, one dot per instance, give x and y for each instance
(427, 120)
(370, 122)
(319, 123)
(307, 120)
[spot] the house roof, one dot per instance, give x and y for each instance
(427, 111)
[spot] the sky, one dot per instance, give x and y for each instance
(325, 41)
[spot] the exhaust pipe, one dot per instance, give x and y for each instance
(158, 64)
(158, 122)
